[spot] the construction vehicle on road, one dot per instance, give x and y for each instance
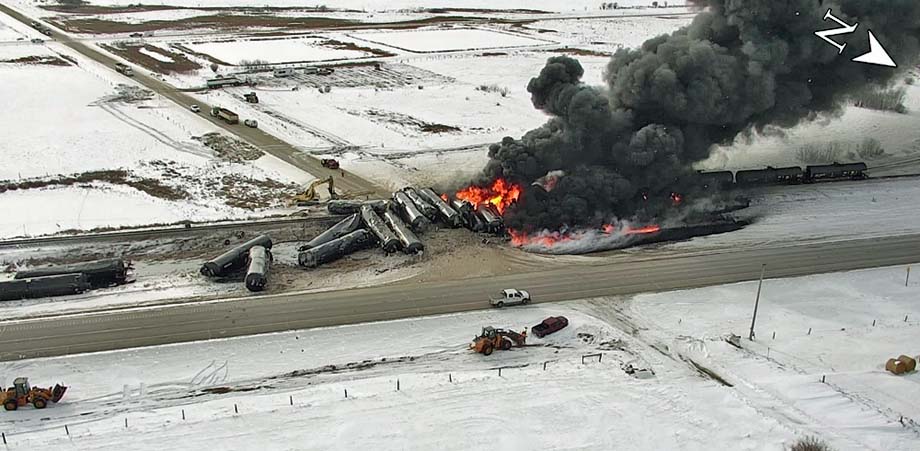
(228, 116)
(309, 195)
(21, 394)
(124, 69)
(491, 339)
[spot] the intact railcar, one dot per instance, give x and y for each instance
(835, 171)
(716, 179)
(770, 176)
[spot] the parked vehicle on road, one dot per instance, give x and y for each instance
(550, 325)
(511, 296)
(251, 123)
(195, 108)
(37, 40)
(136, 35)
(330, 163)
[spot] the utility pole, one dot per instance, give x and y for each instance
(908, 276)
(763, 268)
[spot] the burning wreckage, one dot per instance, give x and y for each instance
(613, 166)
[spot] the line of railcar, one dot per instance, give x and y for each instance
(791, 175)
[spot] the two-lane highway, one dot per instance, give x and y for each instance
(145, 326)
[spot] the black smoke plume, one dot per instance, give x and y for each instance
(741, 66)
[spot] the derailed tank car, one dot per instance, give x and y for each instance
(46, 286)
(99, 273)
(340, 229)
(234, 258)
(260, 260)
(836, 171)
(430, 211)
(410, 242)
(388, 240)
(447, 214)
(410, 212)
(335, 249)
(348, 207)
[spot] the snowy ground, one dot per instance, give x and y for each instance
(292, 385)
(150, 139)
(275, 50)
(424, 41)
(372, 6)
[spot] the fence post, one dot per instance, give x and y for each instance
(499, 372)
(126, 422)
(397, 384)
(582, 360)
(3, 434)
(450, 378)
(183, 414)
(600, 357)
(809, 331)
(774, 335)
(346, 392)
(823, 376)
(907, 279)
(544, 366)
(66, 430)
(235, 408)
(905, 318)
(291, 398)
(873, 323)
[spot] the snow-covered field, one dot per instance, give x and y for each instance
(275, 50)
(824, 212)
(70, 120)
(448, 40)
(292, 385)
(366, 5)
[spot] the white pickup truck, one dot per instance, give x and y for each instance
(510, 296)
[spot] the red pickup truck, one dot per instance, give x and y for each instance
(550, 325)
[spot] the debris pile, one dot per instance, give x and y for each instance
(393, 224)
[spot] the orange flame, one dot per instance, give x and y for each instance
(501, 194)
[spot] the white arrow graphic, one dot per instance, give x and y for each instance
(877, 54)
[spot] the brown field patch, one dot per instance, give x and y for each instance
(116, 177)
(132, 52)
(37, 60)
(581, 52)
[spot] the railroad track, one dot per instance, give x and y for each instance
(158, 232)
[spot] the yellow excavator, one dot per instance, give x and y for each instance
(310, 196)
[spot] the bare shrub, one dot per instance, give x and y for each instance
(870, 149)
(881, 99)
(810, 444)
(494, 88)
(818, 154)
(254, 64)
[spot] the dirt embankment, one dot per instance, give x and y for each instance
(40, 60)
(116, 177)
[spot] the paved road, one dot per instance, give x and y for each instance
(60, 335)
(268, 143)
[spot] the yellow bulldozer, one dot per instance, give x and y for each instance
(491, 339)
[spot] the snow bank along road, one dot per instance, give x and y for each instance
(133, 327)
(257, 137)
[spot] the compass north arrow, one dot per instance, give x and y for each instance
(877, 54)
